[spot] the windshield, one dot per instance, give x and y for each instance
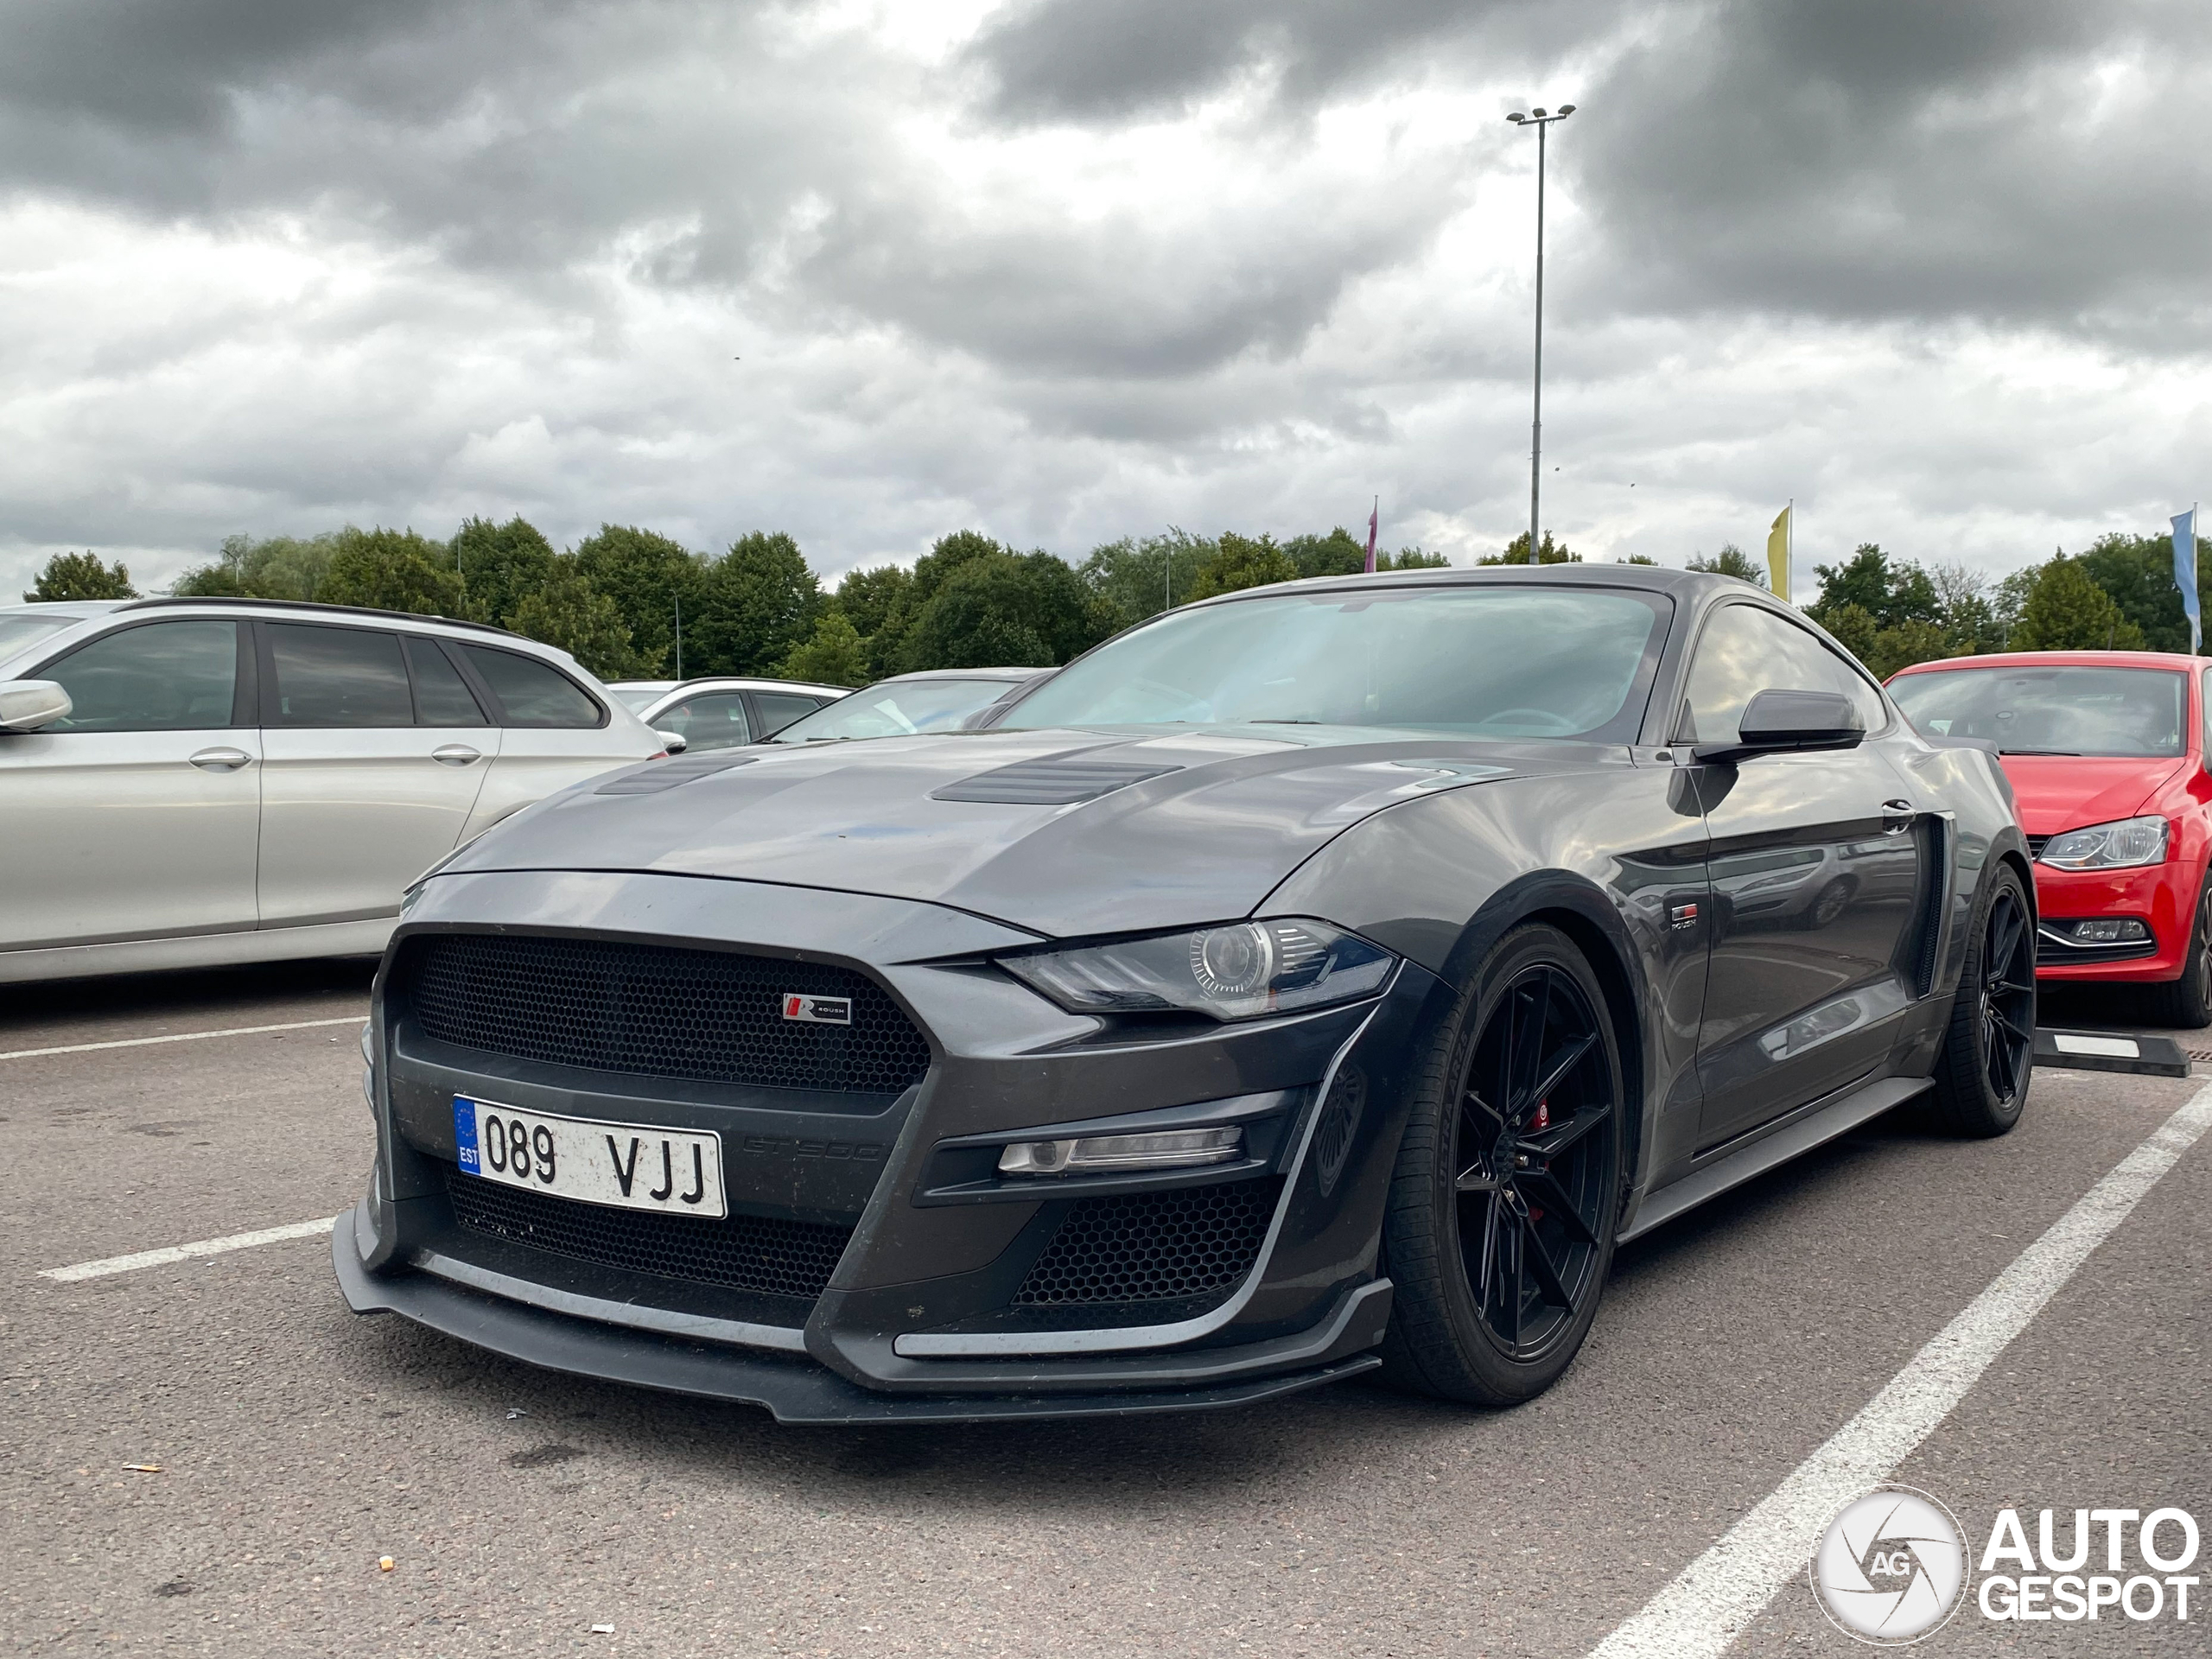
(635, 697)
(20, 633)
(2118, 711)
(1485, 661)
(896, 708)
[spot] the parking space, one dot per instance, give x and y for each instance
(296, 1444)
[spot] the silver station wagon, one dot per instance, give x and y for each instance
(185, 782)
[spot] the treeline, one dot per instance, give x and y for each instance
(630, 603)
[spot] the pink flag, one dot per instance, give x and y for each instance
(1373, 519)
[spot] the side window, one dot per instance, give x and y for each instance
(165, 676)
(715, 720)
(778, 708)
(442, 697)
(532, 693)
(338, 677)
(1746, 650)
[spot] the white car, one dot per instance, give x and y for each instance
(724, 710)
(191, 781)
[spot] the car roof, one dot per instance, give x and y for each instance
(2174, 659)
(83, 609)
(1007, 674)
(315, 608)
(743, 682)
(1653, 578)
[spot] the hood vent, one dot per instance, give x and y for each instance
(677, 769)
(1056, 780)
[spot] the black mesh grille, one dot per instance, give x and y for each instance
(758, 1253)
(661, 1010)
(2035, 844)
(1151, 1247)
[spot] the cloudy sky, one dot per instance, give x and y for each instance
(1068, 269)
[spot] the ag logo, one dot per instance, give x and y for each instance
(1891, 1568)
(818, 1010)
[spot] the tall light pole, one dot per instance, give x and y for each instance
(1540, 119)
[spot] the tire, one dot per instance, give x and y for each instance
(1486, 1193)
(2186, 1001)
(1988, 1059)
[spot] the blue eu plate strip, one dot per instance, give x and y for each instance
(464, 1132)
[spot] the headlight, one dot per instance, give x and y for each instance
(2109, 846)
(1233, 972)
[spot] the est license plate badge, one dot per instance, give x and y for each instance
(625, 1166)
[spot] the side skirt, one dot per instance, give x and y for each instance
(1793, 1138)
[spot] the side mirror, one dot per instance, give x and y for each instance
(26, 705)
(1777, 722)
(672, 741)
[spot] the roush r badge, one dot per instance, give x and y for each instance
(818, 1010)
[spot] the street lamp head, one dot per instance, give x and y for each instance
(1516, 118)
(1566, 109)
(1538, 111)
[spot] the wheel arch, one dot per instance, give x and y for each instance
(1583, 911)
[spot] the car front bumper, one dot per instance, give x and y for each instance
(920, 1318)
(2163, 896)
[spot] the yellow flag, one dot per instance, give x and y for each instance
(1777, 554)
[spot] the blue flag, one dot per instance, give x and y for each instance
(2185, 573)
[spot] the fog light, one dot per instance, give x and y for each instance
(2111, 930)
(1173, 1149)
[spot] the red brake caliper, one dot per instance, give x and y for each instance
(1542, 1121)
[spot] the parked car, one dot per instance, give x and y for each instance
(722, 711)
(1314, 978)
(190, 781)
(935, 700)
(2106, 754)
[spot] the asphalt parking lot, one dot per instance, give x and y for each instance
(296, 1444)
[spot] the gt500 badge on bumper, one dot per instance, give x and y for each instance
(625, 1166)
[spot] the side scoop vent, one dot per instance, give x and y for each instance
(677, 769)
(1052, 781)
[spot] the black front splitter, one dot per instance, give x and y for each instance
(796, 1390)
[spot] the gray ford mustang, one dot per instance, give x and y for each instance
(1318, 979)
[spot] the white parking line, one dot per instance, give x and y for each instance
(1716, 1596)
(101, 1269)
(182, 1037)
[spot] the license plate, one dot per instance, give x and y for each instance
(627, 1166)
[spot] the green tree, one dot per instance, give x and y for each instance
(866, 597)
(1965, 611)
(1637, 558)
(2137, 571)
(1733, 561)
(2007, 600)
(2067, 611)
(1242, 562)
(1339, 553)
(1137, 577)
(1547, 552)
(836, 655)
(996, 608)
(278, 566)
(649, 577)
(562, 609)
(1852, 628)
(1892, 591)
(499, 564)
(393, 570)
(757, 604)
(81, 575)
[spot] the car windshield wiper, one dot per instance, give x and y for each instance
(1282, 722)
(2038, 751)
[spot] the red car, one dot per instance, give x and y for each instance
(2106, 755)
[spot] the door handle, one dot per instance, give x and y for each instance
(220, 759)
(456, 754)
(1896, 817)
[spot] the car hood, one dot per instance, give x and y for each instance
(1226, 814)
(2057, 792)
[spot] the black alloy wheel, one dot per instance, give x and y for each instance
(1988, 1056)
(1501, 1227)
(2008, 997)
(1535, 1177)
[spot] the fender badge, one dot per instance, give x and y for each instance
(818, 1010)
(1683, 917)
